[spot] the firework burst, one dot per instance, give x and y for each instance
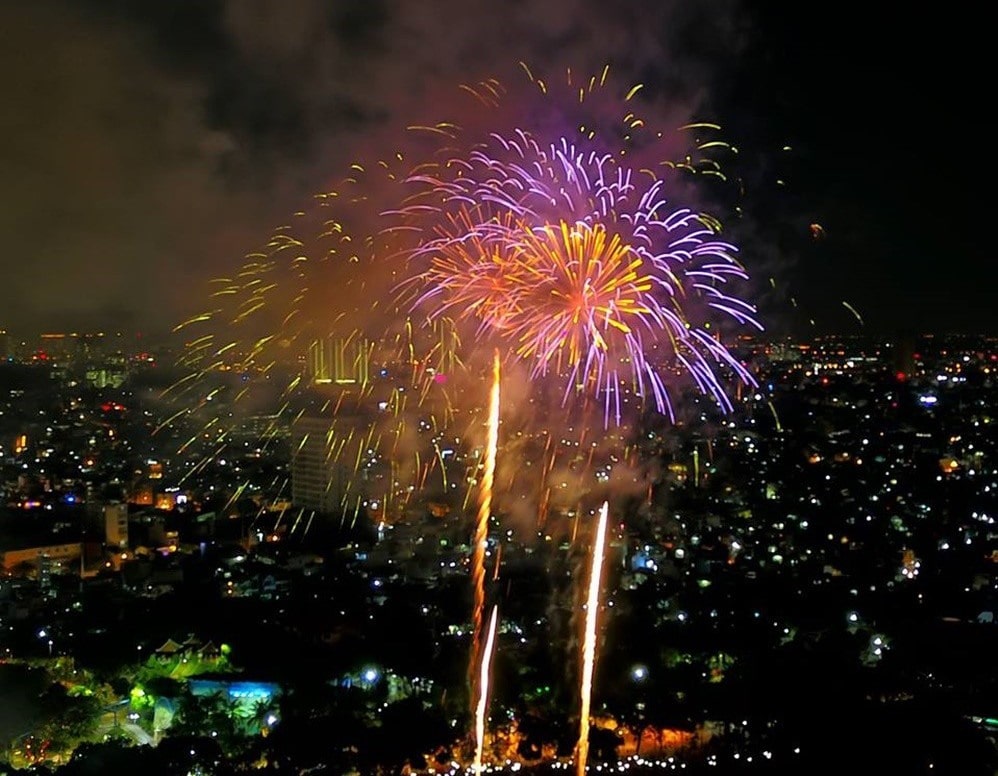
(580, 264)
(556, 225)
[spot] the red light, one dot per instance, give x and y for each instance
(901, 377)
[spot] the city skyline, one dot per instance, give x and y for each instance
(464, 387)
(152, 148)
(823, 555)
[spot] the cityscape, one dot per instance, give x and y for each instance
(809, 576)
(458, 388)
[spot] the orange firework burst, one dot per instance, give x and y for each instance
(471, 273)
(585, 287)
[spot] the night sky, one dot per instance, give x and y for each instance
(145, 147)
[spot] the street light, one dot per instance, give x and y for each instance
(639, 673)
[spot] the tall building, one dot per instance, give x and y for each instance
(318, 479)
(116, 525)
(344, 361)
(57, 346)
(54, 557)
(904, 355)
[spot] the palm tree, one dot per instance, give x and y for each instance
(259, 715)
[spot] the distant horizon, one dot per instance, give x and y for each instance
(176, 338)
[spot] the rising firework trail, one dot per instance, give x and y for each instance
(481, 707)
(558, 225)
(551, 220)
(589, 642)
(481, 532)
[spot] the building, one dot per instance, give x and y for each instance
(54, 558)
(116, 525)
(344, 361)
(904, 356)
(318, 479)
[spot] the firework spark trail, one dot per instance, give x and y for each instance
(579, 263)
(481, 707)
(855, 312)
(481, 207)
(589, 642)
(482, 528)
(280, 291)
(561, 247)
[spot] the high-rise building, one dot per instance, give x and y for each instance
(116, 525)
(904, 355)
(58, 346)
(318, 479)
(319, 360)
(339, 360)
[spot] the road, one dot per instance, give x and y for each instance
(136, 733)
(140, 736)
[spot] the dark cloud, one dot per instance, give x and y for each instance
(111, 195)
(148, 146)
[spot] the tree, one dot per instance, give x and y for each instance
(210, 716)
(538, 732)
(409, 730)
(91, 759)
(259, 715)
(603, 744)
(68, 719)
